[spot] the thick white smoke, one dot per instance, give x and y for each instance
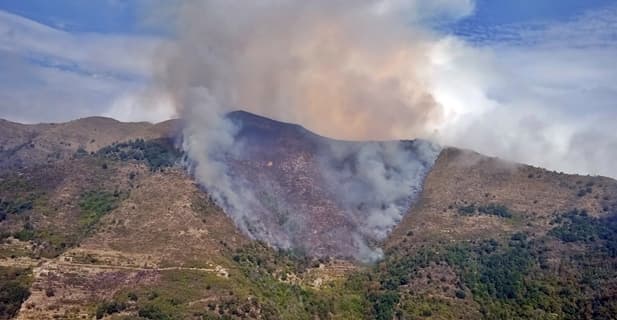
(377, 181)
(550, 103)
(345, 69)
(367, 69)
(322, 196)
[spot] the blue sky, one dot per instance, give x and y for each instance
(123, 16)
(535, 79)
(497, 12)
(86, 25)
(493, 20)
(103, 16)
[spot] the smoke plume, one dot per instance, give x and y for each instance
(344, 69)
(321, 196)
(369, 70)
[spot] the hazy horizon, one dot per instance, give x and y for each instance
(532, 82)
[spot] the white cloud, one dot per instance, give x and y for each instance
(548, 98)
(124, 55)
(542, 93)
(418, 10)
(52, 75)
(595, 27)
(142, 105)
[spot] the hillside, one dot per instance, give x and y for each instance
(498, 240)
(119, 230)
(321, 196)
(23, 145)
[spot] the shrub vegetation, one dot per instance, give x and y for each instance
(158, 154)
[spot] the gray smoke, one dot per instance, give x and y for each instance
(296, 190)
(377, 181)
(346, 69)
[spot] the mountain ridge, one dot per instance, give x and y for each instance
(172, 128)
(123, 231)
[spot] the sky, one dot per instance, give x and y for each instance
(532, 81)
(99, 16)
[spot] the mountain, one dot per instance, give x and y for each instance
(21, 145)
(321, 196)
(99, 219)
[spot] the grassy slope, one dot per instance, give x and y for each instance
(500, 241)
(118, 238)
(115, 238)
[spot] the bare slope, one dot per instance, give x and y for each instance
(321, 196)
(463, 180)
(113, 235)
(88, 229)
(24, 145)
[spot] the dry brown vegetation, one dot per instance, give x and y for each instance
(103, 237)
(24, 145)
(463, 178)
